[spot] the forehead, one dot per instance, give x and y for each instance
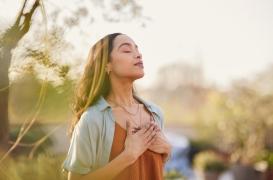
(121, 39)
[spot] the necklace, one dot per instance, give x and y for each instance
(125, 109)
(138, 127)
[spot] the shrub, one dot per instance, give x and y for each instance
(42, 167)
(173, 175)
(209, 161)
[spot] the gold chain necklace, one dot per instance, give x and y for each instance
(140, 114)
(125, 109)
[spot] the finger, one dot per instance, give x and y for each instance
(154, 143)
(151, 140)
(145, 128)
(150, 136)
(148, 131)
(156, 126)
(135, 130)
(151, 123)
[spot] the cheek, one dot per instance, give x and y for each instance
(122, 67)
(121, 63)
(122, 57)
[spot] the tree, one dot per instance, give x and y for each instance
(9, 41)
(11, 37)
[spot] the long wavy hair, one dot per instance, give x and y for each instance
(95, 81)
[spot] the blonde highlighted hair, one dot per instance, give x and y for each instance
(95, 81)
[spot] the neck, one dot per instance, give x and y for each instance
(121, 93)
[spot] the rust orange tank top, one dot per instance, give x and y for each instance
(149, 166)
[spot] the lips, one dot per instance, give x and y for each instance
(139, 64)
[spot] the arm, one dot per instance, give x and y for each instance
(109, 171)
(135, 145)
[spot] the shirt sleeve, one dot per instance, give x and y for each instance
(82, 149)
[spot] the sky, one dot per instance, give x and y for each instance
(229, 38)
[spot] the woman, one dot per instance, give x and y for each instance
(116, 134)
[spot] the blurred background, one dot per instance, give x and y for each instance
(208, 65)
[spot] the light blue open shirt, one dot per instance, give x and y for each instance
(92, 138)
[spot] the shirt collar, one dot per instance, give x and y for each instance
(103, 104)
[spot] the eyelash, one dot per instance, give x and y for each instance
(127, 51)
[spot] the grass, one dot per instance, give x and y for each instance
(42, 167)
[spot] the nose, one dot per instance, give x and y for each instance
(138, 55)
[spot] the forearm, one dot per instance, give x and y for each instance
(110, 170)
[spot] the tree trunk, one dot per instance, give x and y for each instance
(8, 42)
(4, 94)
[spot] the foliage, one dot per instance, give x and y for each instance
(209, 161)
(197, 145)
(269, 160)
(43, 167)
(237, 121)
(200, 144)
(267, 157)
(32, 136)
(173, 175)
(24, 95)
(46, 166)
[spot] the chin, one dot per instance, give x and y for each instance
(139, 76)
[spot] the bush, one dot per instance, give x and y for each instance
(209, 161)
(173, 175)
(268, 158)
(34, 134)
(198, 145)
(43, 167)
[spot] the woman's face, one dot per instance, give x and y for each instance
(126, 60)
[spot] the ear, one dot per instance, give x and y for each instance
(108, 67)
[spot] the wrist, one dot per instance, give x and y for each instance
(128, 157)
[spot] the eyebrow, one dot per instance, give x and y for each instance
(126, 43)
